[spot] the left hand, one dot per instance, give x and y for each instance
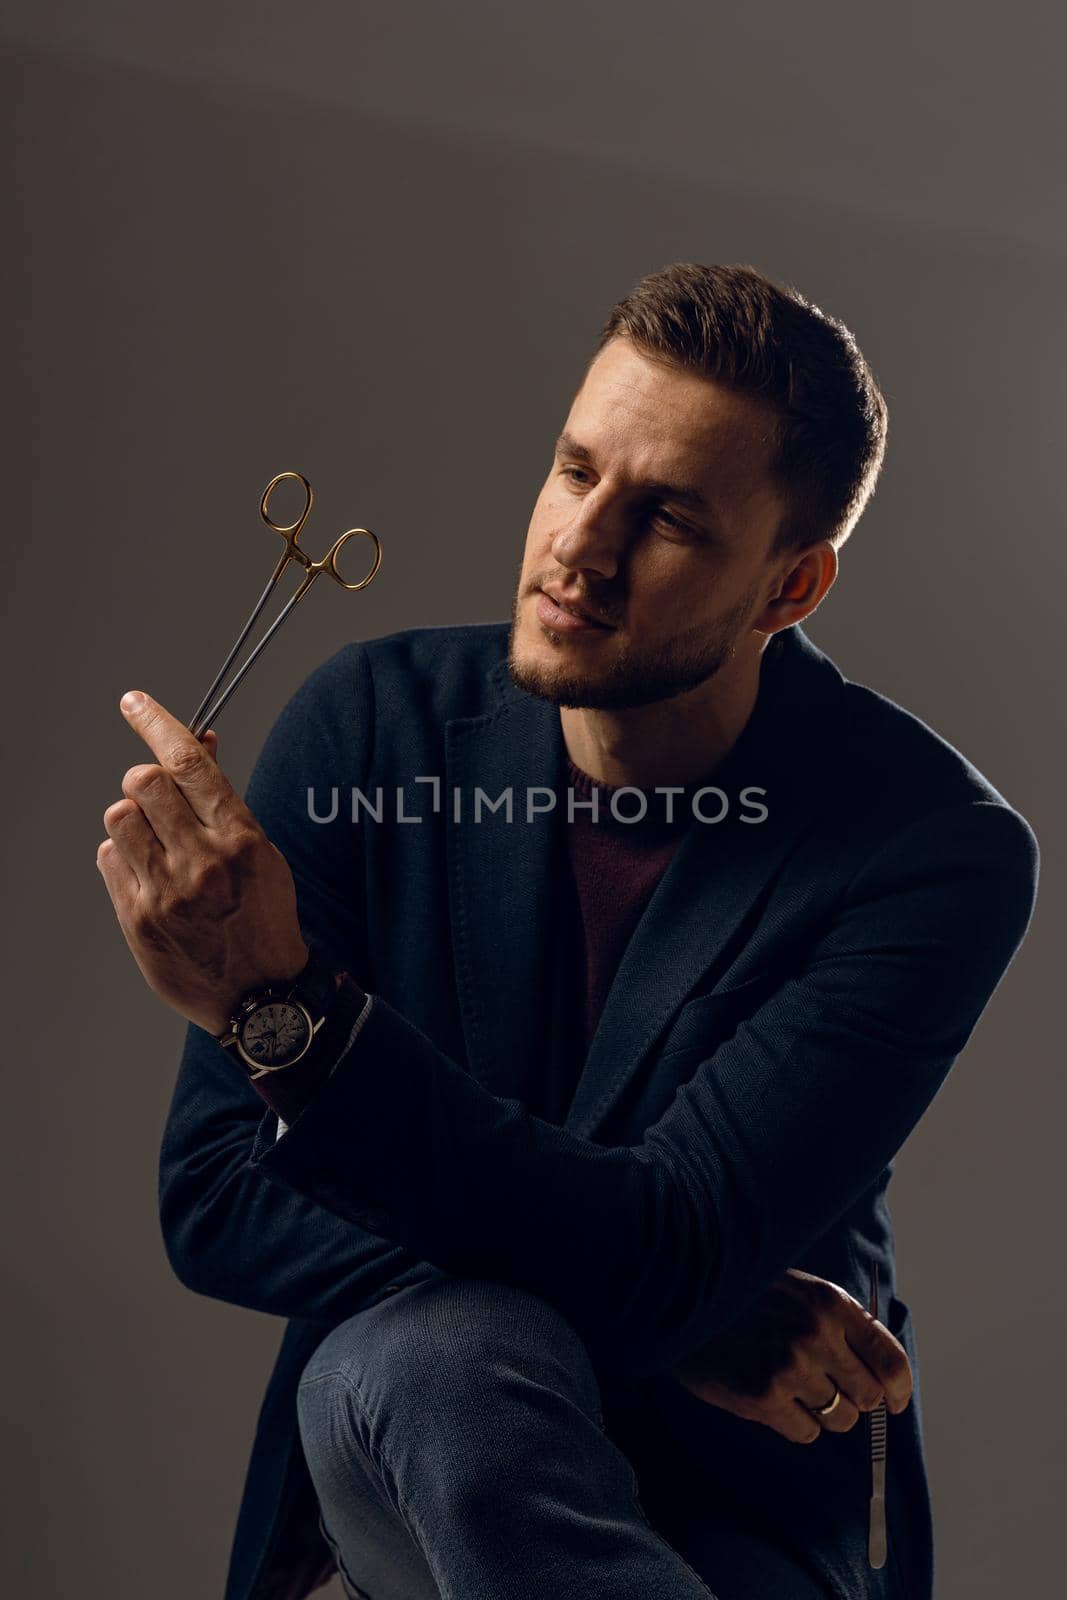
(206, 903)
(784, 1356)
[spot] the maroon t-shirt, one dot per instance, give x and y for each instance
(609, 869)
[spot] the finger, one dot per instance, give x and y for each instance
(127, 826)
(793, 1421)
(884, 1355)
(783, 1409)
(120, 880)
(181, 755)
(774, 1410)
(165, 807)
(853, 1376)
(818, 1390)
(210, 742)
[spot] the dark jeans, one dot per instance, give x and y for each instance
(456, 1441)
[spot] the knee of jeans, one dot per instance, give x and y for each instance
(331, 1425)
(438, 1346)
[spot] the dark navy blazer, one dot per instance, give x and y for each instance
(793, 998)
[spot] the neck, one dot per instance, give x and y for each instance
(675, 741)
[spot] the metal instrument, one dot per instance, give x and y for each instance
(209, 708)
(876, 1533)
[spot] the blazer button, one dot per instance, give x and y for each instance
(391, 1288)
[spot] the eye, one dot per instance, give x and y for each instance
(672, 525)
(579, 475)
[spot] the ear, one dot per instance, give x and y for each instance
(801, 581)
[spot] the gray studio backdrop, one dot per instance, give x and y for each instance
(376, 249)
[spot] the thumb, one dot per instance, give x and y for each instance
(210, 742)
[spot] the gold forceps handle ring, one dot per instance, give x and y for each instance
(328, 564)
(329, 560)
(290, 532)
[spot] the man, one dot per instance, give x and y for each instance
(573, 1170)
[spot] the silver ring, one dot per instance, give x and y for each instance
(830, 1406)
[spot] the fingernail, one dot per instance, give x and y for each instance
(132, 701)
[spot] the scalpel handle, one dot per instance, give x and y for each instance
(877, 1539)
(876, 1534)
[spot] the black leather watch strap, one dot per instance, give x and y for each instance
(316, 987)
(288, 1090)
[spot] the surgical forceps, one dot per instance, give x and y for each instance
(208, 710)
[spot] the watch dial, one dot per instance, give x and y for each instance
(275, 1034)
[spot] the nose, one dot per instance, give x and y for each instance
(592, 538)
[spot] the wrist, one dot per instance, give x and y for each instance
(274, 1025)
(286, 969)
(289, 1090)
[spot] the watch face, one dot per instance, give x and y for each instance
(276, 1034)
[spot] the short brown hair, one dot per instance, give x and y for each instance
(737, 327)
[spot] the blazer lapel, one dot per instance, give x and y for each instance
(701, 905)
(701, 911)
(501, 874)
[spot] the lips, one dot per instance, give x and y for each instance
(575, 609)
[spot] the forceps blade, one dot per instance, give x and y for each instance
(877, 1544)
(203, 719)
(198, 722)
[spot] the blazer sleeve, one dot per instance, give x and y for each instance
(652, 1248)
(227, 1234)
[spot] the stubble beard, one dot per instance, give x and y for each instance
(632, 677)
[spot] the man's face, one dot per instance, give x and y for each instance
(657, 516)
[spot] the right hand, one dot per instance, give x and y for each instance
(204, 899)
(782, 1357)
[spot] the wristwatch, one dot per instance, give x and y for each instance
(273, 1027)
